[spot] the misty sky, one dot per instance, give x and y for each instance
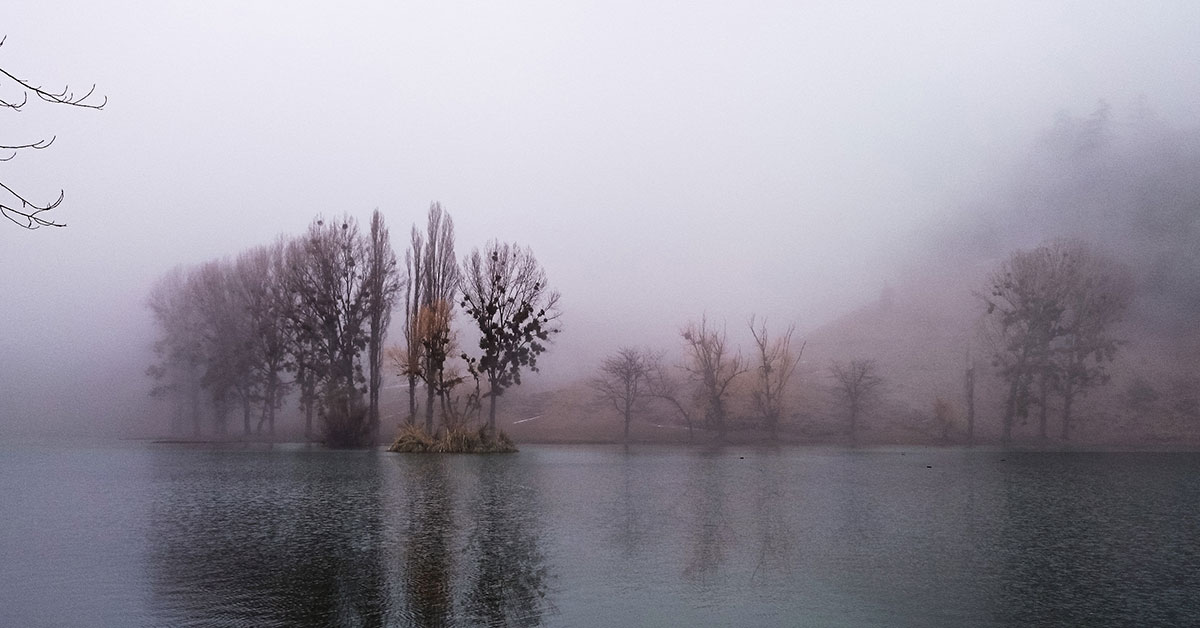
(663, 159)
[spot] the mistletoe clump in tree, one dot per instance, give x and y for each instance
(504, 292)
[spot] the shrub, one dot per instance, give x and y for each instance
(455, 440)
(412, 439)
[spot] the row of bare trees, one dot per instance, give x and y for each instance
(297, 314)
(310, 315)
(632, 377)
(1050, 328)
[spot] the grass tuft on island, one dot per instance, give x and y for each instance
(412, 439)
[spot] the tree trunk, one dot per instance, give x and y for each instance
(718, 411)
(970, 393)
(272, 401)
(1043, 398)
(308, 419)
(628, 417)
(429, 395)
(220, 417)
(1010, 410)
(375, 357)
(262, 420)
(196, 410)
(412, 399)
(492, 414)
(1068, 399)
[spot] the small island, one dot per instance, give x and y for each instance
(415, 440)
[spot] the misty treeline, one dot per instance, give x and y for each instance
(716, 388)
(307, 317)
(713, 375)
(1050, 329)
(1090, 253)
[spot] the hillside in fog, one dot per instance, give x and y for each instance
(1116, 181)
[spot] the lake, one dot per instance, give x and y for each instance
(140, 534)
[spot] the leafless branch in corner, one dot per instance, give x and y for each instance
(26, 213)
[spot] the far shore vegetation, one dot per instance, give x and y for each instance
(1065, 342)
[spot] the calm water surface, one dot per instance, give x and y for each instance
(159, 535)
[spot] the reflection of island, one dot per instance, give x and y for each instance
(329, 538)
(507, 572)
(428, 576)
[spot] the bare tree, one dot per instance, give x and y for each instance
(713, 367)
(178, 369)
(856, 384)
(775, 366)
(439, 276)
(328, 278)
(26, 213)
(1051, 310)
(505, 293)
(624, 381)
(411, 358)
(1025, 304)
(1099, 293)
(303, 339)
(661, 384)
(263, 299)
(223, 333)
(383, 284)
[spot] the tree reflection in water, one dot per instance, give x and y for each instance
(773, 530)
(428, 579)
(711, 531)
(506, 570)
(316, 538)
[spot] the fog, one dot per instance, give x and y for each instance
(663, 160)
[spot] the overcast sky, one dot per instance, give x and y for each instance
(663, 159)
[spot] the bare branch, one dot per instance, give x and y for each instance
(38, 145)
(714, 367)
(63, 97)
(14, 105)
(28, 214)
(775, 367)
